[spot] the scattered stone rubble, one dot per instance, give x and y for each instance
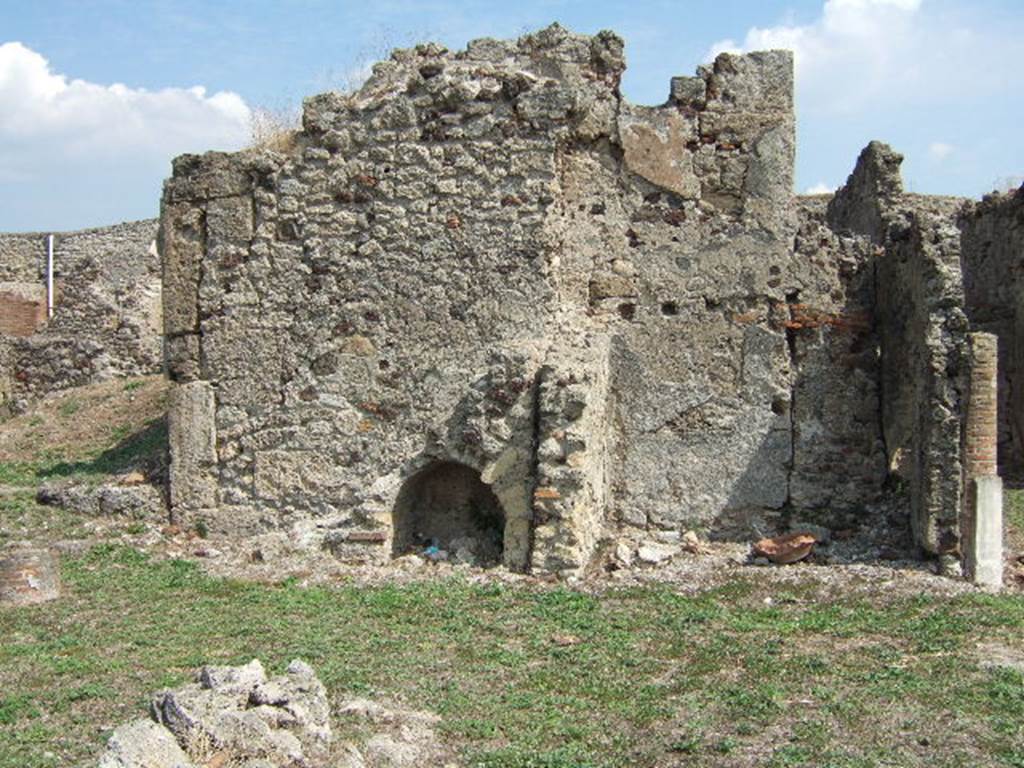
(236, 717)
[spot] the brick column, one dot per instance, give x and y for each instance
(982, 516)
(981, 431)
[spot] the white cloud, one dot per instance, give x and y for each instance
(861, 53)
(821, 188)
(940, 150)
(51, 124)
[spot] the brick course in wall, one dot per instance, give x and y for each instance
(22, 314)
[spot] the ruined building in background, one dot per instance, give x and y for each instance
(486, 299)
(104, 289)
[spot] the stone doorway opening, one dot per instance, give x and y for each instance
(446, 511)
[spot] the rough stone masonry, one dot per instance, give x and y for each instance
(485, 302)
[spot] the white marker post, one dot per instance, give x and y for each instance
(49, 277)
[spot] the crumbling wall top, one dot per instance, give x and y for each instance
(872, 189)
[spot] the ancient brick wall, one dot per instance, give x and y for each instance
(923, 330)
(22, 283)
(839, 460)
(107, 309)
(491, 258)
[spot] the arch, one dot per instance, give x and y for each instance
(448, 505)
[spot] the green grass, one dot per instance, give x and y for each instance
(1013, 509)
(126, 450)
(69, 407)
(719, 678)
(21, 518)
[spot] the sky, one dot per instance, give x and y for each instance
(97, 96)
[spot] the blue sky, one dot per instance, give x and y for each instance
(96, 96)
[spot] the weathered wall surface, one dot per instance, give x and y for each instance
(924, 369)
(107, 308)
(922, 333)
(619, 316)
(839, 460)
(992, 252)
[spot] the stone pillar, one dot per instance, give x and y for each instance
(982, 518)
(983, 543)
(571, 495)
(193, 447)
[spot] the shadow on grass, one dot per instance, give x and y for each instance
(145, 450)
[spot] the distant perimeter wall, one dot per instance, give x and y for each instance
(107, 310)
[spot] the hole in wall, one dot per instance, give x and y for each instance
(448, 507)
(627, 311)
(669, 309)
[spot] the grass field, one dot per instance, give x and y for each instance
(89, 433)
(537, 676)
(524, 675)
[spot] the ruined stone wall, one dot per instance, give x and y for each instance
(924, 370)
(922, 336)
(839, 460)
(489, 257)
(22, 283)
(992, 252)
(107, 309)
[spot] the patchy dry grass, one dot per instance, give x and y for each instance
(22, 519)
(650, 678)
(88, 432)
(1013, 509)
(276, 129)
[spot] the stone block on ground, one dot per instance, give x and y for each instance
(143, 744)
(655, 554)
(28, 576)
(139, 501)
(241, 713)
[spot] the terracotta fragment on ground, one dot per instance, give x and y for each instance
(790, 548)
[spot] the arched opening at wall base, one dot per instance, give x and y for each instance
(445, 511)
